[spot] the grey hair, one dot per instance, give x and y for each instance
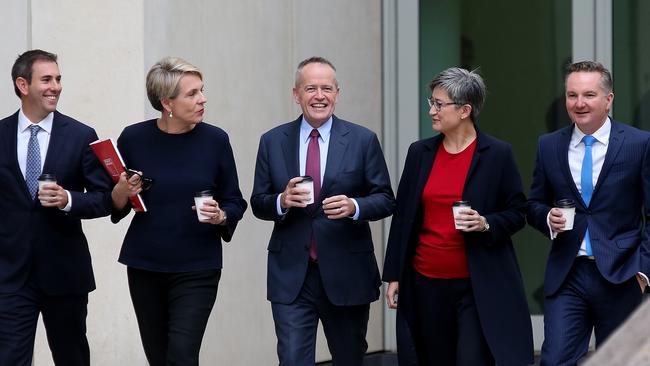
(606, 82)
(314, 60)
(463, 87)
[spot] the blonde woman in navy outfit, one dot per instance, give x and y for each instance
(459, 290)
(173, 260)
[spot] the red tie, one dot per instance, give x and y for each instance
(313, 169)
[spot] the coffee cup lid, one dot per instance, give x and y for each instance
(565, 203)
(461, 203)
(306, 178)
(47, 176)
(206, 193)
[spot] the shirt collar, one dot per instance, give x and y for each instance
(601, 135)
(45, 124)
(324, 130)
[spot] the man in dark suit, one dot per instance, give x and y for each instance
(45, 265)
(595, 273)
(321, 262)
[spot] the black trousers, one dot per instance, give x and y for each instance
(172, 311)
(447, 330)
(64, 317)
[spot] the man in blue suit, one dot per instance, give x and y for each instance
(45, 264)
(595, 273)
(321, 262)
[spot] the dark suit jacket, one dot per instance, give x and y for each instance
(493, 187)
(617, 214)
(47, 243)
(356, 168)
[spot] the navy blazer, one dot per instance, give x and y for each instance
(356, 168)
(45, 242)
(493, 187)
(617, 214)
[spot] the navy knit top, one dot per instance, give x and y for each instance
(169, 237)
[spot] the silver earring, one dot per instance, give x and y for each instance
(170, 114)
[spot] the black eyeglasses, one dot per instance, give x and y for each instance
(438, 105)
(146, 181)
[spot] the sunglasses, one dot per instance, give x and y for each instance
(146, 182)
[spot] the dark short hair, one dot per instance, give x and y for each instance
(606, 82)
(463, 87)
(23, 66)
(314, 60)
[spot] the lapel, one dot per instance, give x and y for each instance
(290, 148)
(10, 141)
(482, 144)
(335, 153)
(616, 138)
(55, 148)
(426, 163)
(563, 160)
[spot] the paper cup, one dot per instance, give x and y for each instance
(199, 199)
(45, 179)
(307, 182)
(568, 208)
(456, 206)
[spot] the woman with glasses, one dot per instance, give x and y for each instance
(174, 259)
(457, 276)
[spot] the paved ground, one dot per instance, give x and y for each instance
(383, 359)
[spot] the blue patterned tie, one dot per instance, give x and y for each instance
(586, 182)
(33, 166)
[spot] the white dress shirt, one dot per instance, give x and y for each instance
(43, 138)
(323, 145)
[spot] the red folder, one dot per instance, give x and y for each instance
(110, 157)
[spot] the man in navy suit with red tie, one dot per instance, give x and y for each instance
(321, 262)
(45, 264)
(596, 272)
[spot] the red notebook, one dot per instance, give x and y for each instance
(110, 157)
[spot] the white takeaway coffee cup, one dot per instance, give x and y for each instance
(455, 207)
(568, 208)
(307, 182)
(199, 199)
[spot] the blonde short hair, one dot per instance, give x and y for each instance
(163, 78)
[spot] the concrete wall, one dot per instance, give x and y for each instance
(248, 50)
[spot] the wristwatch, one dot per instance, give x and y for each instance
(225, 218)
(486, 225)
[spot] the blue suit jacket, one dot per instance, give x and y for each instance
(615, 215)
(356, 168)
(493, 187)
(47, 243)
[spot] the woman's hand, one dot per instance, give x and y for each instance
(125, 188)
(471, 220)
(211, 209)
(391, 294)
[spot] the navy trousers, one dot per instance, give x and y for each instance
(64, 318)
(296, 325)
(585, 301)
(172, 311)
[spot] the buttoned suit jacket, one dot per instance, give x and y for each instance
(356, 168)
(617, 214)
(44, 244)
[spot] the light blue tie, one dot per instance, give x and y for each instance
(33, 166)
(586, 182)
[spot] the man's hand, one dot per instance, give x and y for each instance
(641, 282)
(557, 220)
(338, 207)
(391, 294)
(294, 196)
(53, 195)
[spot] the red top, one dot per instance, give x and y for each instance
(440, 252)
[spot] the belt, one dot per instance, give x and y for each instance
(587, 257)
